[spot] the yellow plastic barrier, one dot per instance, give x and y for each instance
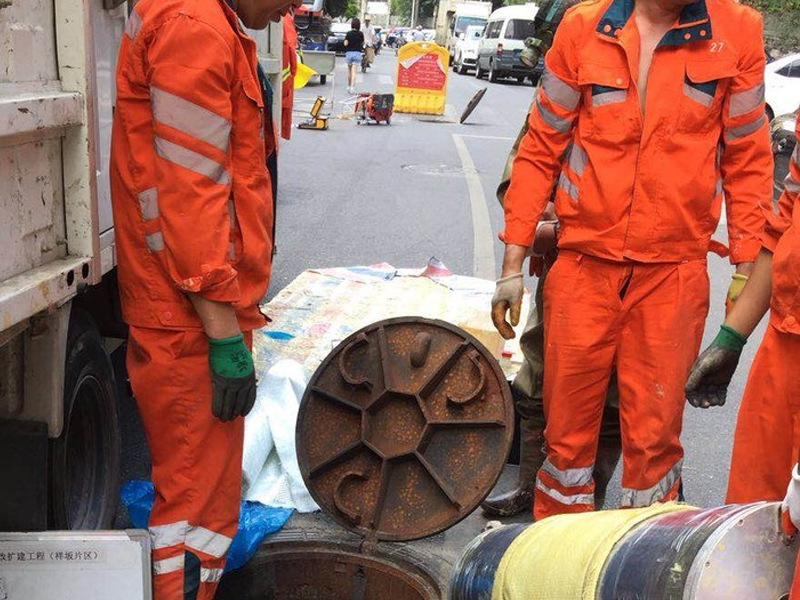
(562, 557)
(421, 78)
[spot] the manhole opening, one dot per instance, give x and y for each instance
(326, 575)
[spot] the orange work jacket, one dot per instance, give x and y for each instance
(782, 238)
(288, 72)
(190, 188)
(647, 185)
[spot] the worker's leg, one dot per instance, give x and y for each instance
(196, 462)
(609, 447)
(581, 312)
(664, 311)
(527, 393)
(767, 435)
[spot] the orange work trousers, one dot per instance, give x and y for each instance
(767, 436)
(196, 461)
(647, 321)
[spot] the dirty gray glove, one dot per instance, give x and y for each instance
(713, 370)
(233, 377)
(507, 298)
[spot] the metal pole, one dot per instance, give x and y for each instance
(414, 10)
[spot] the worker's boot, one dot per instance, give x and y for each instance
(531, 457)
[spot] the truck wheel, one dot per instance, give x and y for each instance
(84, 461)
(493, 76)
(323, 79)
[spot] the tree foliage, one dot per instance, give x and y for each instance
(781, 23)
(402, 9)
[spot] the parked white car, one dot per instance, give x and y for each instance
(782, 86)
(465, 52)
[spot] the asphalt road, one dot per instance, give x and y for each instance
(421, 187)
(424, 186)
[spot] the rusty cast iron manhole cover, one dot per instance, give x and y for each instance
(404, 428)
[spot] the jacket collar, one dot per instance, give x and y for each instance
(693, 25)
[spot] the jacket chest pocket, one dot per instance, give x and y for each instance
(704, 86)
(607, 97)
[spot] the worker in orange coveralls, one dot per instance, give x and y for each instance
(767, 438)
(193, 219)
(658, 106)
(287, 74)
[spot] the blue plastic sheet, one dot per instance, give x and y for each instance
(256, 521)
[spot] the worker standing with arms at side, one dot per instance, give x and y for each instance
(193, 218)
(658, 105)
(288, 71)
(527, 385)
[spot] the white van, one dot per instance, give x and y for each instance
(466, 49)
(503, 41)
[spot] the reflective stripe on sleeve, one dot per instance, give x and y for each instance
(744, 130)
(190, 118)
(169, 565)
(189, 159)
(286, 73)
(569, 477)
(612, 97)
(796, 154)
(560, 92)
(551, 119)
(640, 498)
(577, 159)
(569, 500)
(718, 188)
(155, 241)
(172, 534)
(743, 102)
(210, 575)
(133, 25)
(568, 187)
(148, 204)
(206, 541)
(698, 95)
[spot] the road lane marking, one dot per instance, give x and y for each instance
(482, 237)
(488, 137)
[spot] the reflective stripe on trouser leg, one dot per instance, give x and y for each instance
(665, 489)
(767, 434)
(579, 355)
(196, 459)
(662, 319)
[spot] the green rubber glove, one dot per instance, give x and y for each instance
(233, 377)
(713, 370)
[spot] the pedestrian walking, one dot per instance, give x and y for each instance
(354, 47)
(193, 219)
(658, 107)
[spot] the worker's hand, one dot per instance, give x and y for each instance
(233, 377)
(791, 503)
(507, 297)
(713, 370)
(738, 281)
(545, 239)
